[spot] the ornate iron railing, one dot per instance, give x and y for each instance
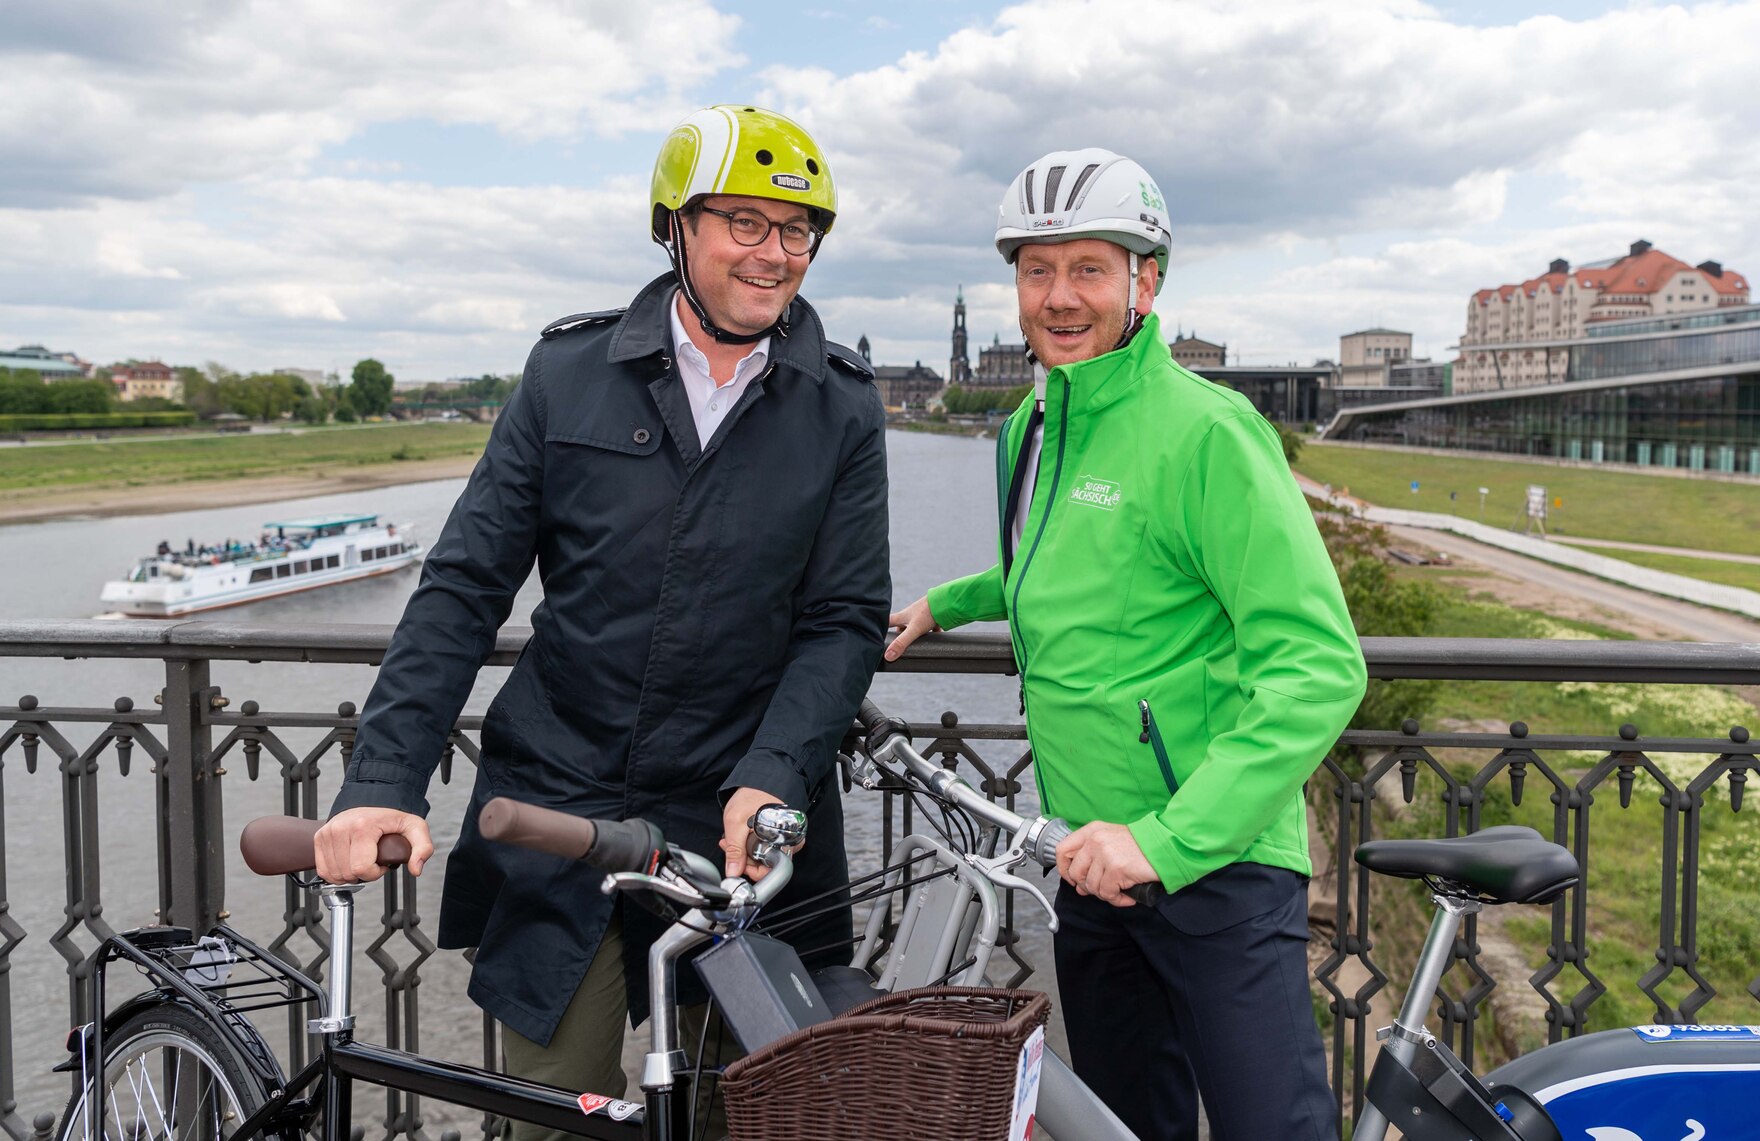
(194, 736)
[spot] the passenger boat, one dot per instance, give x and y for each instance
(298, 554)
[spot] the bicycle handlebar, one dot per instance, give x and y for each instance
(887, 735)
(609, 845)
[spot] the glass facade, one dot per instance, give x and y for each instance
(1711, 424)
(1664, 354)
(1735, 316)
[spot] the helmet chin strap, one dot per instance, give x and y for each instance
(681, 268)
(1133, 320)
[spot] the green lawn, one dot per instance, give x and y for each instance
(180, 459)
(1598, 504)
(1745, 575)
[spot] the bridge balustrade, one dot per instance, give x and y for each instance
(193, 745)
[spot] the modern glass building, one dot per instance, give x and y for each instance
(1679, 392)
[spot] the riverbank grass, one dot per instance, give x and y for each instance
(1598, 504)
(147, 463)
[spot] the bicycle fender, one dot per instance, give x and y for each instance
(79, 1039)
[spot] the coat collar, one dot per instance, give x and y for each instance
(1097, 382)
(645, 329)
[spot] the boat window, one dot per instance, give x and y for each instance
(366, 554)
(262, 574)
(300, 568)
(284, 570)
(333, 561)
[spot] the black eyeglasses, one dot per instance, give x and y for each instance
(751, 228)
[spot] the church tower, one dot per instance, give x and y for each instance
(863, 348)
(959, 368)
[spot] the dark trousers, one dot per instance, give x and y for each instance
(1205, 995)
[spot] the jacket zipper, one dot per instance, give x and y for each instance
(1020, 639)
(1151, 736)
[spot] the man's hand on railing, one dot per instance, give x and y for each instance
(347, 846)
(911, 623)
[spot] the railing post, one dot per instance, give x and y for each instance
(192, 819)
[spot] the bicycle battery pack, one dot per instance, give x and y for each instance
(761, 987)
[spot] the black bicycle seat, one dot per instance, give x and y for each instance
(1506, 864)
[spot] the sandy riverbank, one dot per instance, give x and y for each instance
(36, 506)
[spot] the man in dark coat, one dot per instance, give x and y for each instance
(701, 481)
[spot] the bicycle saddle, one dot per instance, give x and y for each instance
(1506, 864)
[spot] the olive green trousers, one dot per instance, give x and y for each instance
(586, 1052)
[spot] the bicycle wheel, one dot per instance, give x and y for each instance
(169, 1075)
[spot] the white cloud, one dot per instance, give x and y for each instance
(118, 99)
(1330, 166)
(1307, 124)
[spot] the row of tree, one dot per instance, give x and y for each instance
(269, 396)
(24, 392)
(977, 401)
(265, 396)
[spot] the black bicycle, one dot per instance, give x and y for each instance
(185, 1060)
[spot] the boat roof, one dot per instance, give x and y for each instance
(321, 521)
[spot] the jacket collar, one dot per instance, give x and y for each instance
(1101, 380)
(645, 329)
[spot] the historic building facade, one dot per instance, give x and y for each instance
(1518, 334)
(902, 386)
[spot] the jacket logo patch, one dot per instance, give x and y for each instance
(1095, 492)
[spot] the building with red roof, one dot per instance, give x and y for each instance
(141, 380)
(1515, 333)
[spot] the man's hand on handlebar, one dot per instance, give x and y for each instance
(911, 623)
(1103, 860)
(736, 832)
(347, 846)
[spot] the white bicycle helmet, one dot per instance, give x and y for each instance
(1090, 193)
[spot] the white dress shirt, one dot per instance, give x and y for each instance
(710, 401)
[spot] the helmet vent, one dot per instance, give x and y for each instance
(1053, 177)
(1081, 181)
(812, 167)
(1027, 189)
(764, 158)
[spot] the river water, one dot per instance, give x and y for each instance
(943, 525)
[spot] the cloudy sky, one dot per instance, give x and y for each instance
(308, 182)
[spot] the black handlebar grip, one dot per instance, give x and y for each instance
(1147, 894)
(627, 846)
(877, 727)
(870, 716)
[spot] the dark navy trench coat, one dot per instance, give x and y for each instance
(711, 618)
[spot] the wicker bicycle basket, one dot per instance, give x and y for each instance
(933, 1064)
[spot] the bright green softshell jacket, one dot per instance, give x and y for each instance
(1168, 558)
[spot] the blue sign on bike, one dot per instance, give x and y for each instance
(1660, 1103)
(1697, 1033)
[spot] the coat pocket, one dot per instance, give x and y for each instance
(1151, 736)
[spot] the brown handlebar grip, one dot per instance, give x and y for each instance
(542, 829)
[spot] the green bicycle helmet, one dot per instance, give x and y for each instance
(733, 149)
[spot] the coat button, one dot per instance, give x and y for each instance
(641, 436)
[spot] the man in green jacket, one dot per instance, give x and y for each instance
(1186, 660)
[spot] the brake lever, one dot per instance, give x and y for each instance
(640, 882)
(998, 869)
